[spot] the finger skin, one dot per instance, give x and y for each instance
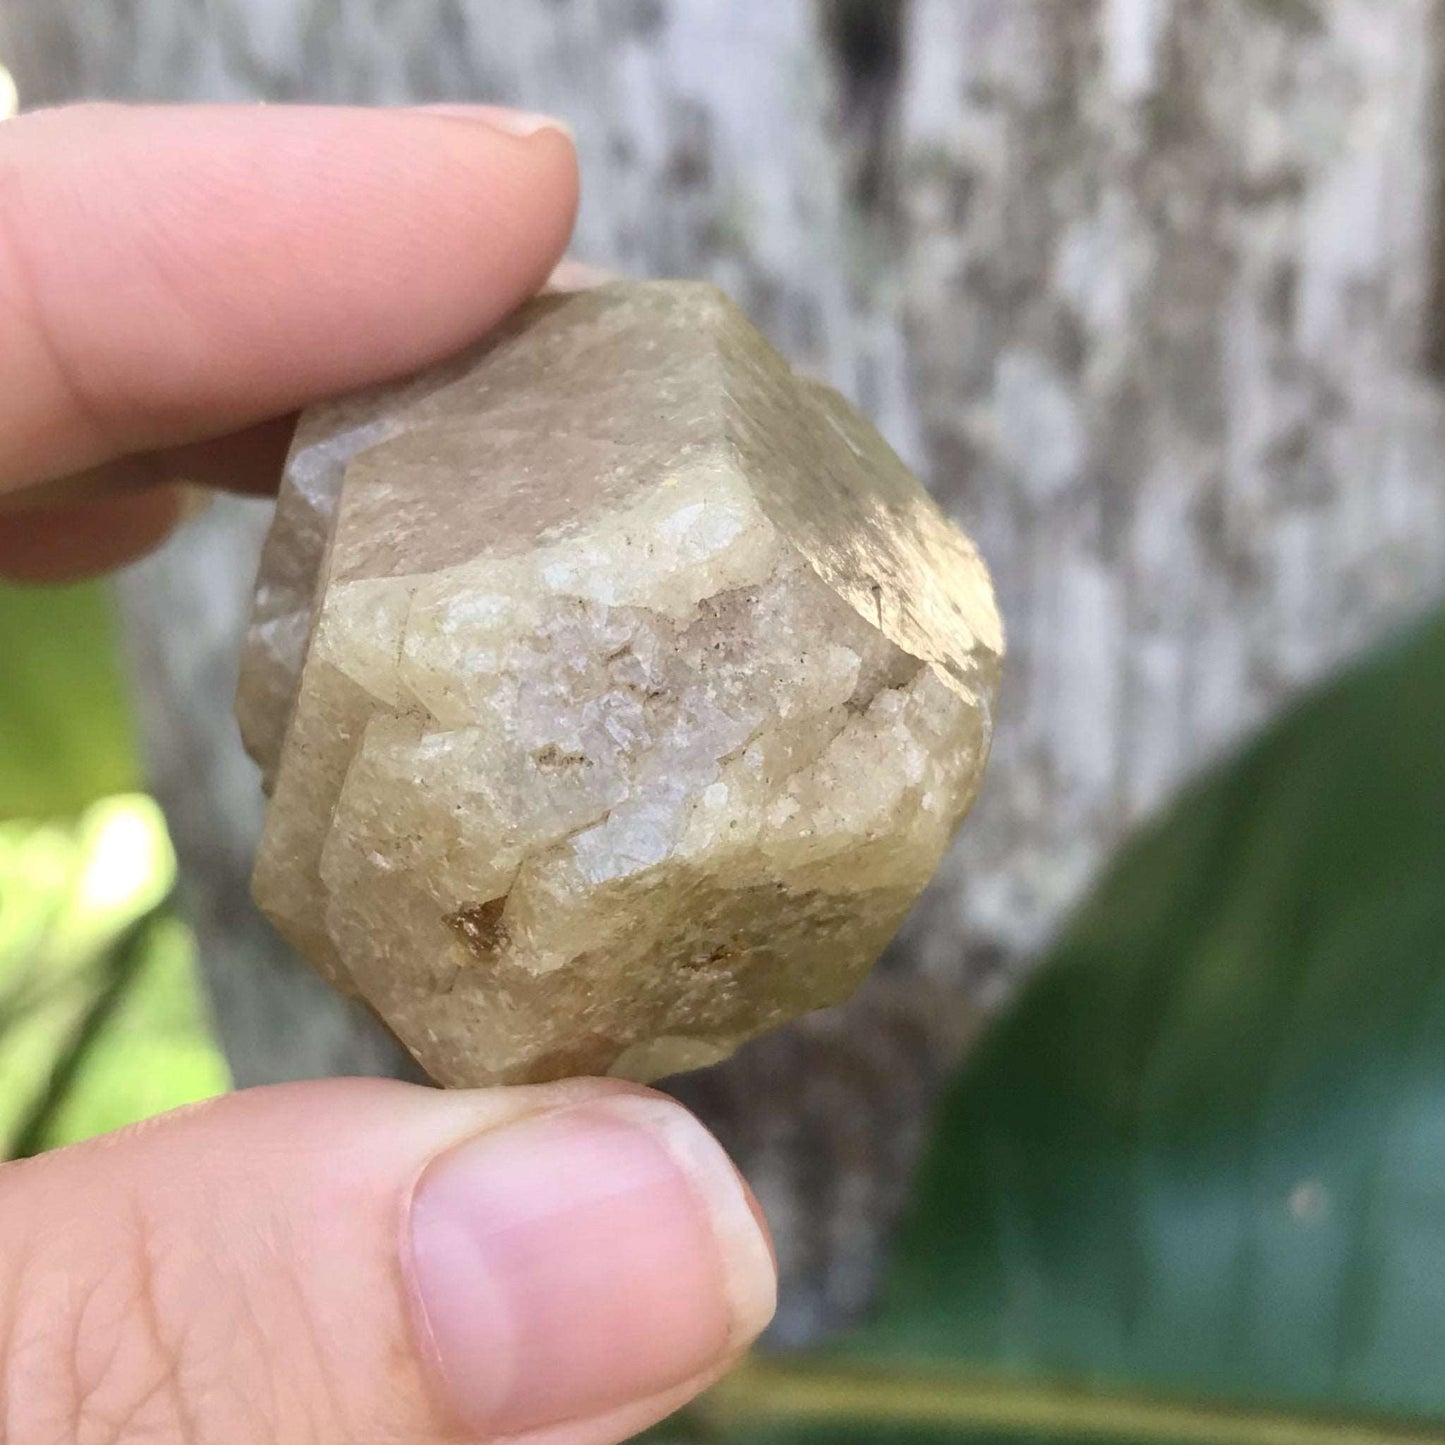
(99, 539)
(256, 1268)
(247, 461)
(173, 274)
(95, 521)
(80, 539)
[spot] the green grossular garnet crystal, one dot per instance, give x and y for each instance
(617, 690)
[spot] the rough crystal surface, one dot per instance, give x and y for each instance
(618, 691)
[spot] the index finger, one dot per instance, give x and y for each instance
(172, 274)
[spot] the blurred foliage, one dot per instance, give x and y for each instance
(101, 1022)
(66, 736)
(1203, 1157)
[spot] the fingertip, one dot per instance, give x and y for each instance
(182, 272)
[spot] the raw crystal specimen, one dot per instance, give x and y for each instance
(618, 691)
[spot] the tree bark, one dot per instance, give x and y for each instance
(1151, 291)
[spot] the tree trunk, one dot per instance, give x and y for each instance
(1149, 290)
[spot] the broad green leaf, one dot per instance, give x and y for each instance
(66, 736)
(1192, 1187)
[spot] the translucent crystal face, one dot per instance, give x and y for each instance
(634, 699)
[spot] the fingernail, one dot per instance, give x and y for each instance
(570, 275)
(575, 1261)
(499, 117)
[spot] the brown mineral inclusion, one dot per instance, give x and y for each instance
(617, 691)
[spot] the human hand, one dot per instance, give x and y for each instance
(352, 1259)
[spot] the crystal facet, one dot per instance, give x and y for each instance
(618, 691)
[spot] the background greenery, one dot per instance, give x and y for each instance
(100, 1018)
(1190, 1188)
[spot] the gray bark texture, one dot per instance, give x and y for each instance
(1151, 291)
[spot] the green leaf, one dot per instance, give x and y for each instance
(66, 735)
(1192, 1187)
(798, 1404)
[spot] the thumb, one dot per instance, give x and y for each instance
(359, 1260)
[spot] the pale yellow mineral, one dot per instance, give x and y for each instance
(618, 691)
